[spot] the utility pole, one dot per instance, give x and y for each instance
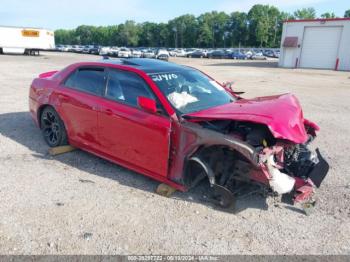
(213, 35)
(274, 38)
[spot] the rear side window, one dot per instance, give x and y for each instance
(91, 80)
(126, 87)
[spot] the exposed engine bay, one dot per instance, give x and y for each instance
(283, 166)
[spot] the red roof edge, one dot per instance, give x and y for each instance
(317, 20)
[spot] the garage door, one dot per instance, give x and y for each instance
(320, 47)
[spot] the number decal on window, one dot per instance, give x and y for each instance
(162, 77)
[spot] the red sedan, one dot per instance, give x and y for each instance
(179, 126)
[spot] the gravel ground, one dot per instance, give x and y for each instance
(80, 204)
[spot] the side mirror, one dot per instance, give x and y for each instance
(147, 104)
(229, 86)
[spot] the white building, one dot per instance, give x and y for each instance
(317, 43)
(20, 39)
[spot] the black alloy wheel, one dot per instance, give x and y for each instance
(53, 128)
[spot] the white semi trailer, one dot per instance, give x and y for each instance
(25, 40)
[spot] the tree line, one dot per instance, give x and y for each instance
(260, 27)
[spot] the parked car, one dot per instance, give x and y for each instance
(217, 54)
(197, 54)
(162, 54)
(249, 54)
(65, 48)
(62, 48)
(180, 53)
(172, 52)
(77, 48)
(86, 49)
(124, 53)
(148, 53)
(258, 56)
(113, 51)
(239, 55)
(71, 49)
(59, 48)
(135, 53)
(177, 125)
(105, 50)
(95, 50)
(271, 53)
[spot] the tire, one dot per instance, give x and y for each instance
(52, 128)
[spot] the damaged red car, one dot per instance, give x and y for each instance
(179, 126)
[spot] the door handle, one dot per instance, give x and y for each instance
(108, 112)
(64, 97)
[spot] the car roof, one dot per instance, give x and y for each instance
(146, 65)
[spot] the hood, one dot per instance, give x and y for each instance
(281, 114)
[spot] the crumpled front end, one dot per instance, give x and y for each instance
(230, 153)
(289, 168)
(277, 136)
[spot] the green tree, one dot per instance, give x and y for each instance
(205, 30)
(183, 30)
(205, 35)
(305, 13)
(238, 28)
(347, 13)
(328, 15)
(263, 22)
(128, 34)
(85, 34)
(261, 26)
(148, 34)
(65, 37)
(163, 35)
(221, 28)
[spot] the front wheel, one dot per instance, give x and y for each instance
(52, 128)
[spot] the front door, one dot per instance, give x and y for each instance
(127, 133)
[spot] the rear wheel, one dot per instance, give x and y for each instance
(53, 128)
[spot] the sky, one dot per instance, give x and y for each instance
(55, 14)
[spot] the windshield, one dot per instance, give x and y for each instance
(191, 91)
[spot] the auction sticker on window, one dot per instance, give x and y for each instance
(162, 77)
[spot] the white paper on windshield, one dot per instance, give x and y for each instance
(179, 100)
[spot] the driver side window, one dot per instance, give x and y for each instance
(126, 87)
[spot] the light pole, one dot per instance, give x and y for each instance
(175, 36)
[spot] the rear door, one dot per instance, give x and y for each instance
(78, 97)
(127, 133)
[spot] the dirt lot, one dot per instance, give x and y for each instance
(80, 204)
